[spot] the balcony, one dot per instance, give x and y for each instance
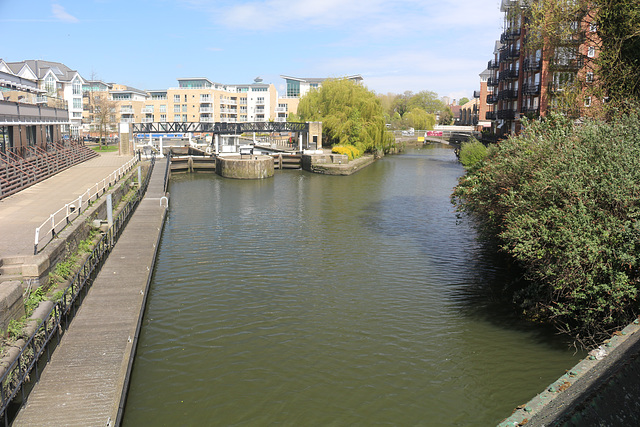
(476, 94)
(530, 112)
(567, 63)
(147, 110)
(506, 114)
(493, 65)
(492, 81)
(492, 99)
(205, 99)
(509, 55)
(127, 120)
(126, 109)
(507, 94)
(532, 65)
(491, 115)
(281, 109)
(509, 75)
(206, 109)
(206, 119)
(147, 120)
(531, 88)
(510, 34)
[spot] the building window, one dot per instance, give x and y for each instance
(163, 108)
(293, 88)
(589, 77)
(184, 117)
(591, 52)
(77, 103)
(176, 108)
(260, 100)
(77, 87)
(50, 84)
(163, 117)
(184, 108)
(176, 98)
(587, 101)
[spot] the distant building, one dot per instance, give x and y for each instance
(57, 82)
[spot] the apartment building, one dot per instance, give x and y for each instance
(297, 87)
(58, 85)
(527, 82)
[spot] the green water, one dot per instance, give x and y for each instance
(309, 300)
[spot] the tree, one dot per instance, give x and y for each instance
(463, 101)
(350, 115)
(558, 28)
(103, 114)
(417, 118)
(446, 117)
(426, 100)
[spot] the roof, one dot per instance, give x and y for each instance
(356, 77)
(40, 68)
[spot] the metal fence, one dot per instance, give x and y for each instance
(24, 369)
(58, 220)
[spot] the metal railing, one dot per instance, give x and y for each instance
(56, 321)
(58, 220)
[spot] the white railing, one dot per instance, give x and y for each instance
(63, 216)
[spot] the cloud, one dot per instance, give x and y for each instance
(61, 14)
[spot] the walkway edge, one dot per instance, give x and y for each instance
(134, 344)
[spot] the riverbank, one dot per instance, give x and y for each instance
(335, 164)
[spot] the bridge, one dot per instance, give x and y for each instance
(220, 128)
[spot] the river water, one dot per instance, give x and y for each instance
(310, 300)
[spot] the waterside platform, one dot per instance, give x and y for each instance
(86, 380)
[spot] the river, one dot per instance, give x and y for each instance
(310, 300)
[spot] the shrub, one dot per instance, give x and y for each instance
(351, 151)
(472, 152)
(564, 202)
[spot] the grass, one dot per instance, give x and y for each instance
(105, 148)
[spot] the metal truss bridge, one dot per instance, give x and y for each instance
(219, 128)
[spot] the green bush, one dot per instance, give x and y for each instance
(472, 152)
(564, 202)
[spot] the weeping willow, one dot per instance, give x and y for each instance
(350, 115)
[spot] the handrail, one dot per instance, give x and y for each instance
(74, 208)
(58, 318)
(167, 171)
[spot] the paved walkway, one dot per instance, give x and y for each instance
(83, 383)
(22, 212)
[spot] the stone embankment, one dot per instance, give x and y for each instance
(334, 164)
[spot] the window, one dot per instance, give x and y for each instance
(176, 108)
(50, 84)
(163, 117)
(587, 101)
(176, 98)
(260, 100)
(159, 96)
(184, 108)
(589, 77)
(591, 52)
(77, 87)
(176, 117)
(163, 108)
(77, 103)
(184, 117)
(293, 88)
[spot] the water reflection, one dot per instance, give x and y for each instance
(316, 300)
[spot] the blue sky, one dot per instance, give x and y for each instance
(437, 45)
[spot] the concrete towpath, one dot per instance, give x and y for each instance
(84, 382)
(22, 212)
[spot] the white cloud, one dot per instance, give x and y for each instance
(61, 14)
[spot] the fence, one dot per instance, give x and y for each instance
(58, 220)
(55, 322)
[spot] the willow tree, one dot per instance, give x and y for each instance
(350, 114)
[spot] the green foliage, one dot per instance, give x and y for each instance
(15, 327)
(463, 101)
(564, 202)
(418, 118)
(472, 152)
(351, 151)
(446, 117)
(350, 115)
(32, 301)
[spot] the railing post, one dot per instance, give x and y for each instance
(53, 226)
(37, 239)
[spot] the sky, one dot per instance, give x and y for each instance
(396, 46)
